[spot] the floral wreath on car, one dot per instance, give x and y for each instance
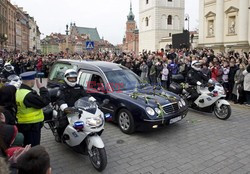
(136, 94)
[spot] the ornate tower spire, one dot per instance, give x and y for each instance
(131, 16)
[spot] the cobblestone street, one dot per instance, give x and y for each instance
(198, 144)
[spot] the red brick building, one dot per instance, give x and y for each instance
(131, 39)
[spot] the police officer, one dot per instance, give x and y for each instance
(8, 70)
(195, 78)
(29, 108)
(69, 93)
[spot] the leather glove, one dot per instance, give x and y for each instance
(69, 110)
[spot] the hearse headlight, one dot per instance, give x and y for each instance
(150, 111)
(180, 104)
(183, 102)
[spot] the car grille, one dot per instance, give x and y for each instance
(168, 109)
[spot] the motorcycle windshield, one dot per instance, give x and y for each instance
(85, 104)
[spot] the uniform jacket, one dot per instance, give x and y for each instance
(69, 95)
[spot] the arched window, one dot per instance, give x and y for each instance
(169, 20)
(147, 21)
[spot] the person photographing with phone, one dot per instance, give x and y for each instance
(29, 108)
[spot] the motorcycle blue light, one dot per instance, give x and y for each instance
(78, 125)
(108, 117)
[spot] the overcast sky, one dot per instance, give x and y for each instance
(109, 16)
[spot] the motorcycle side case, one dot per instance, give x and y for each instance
(175, 88)
(179, 78)
(48, 113)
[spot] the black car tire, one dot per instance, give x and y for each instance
(128, 128)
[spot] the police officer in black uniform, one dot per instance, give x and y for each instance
(195, 78)
(8, 70)
(29, 108)
(69, 93)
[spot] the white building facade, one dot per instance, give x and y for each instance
(159, 19)
(224, 25)
(34, 36)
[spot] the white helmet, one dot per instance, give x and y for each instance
(8, 67)
(196, 65)
(70, 73)
(14, 80)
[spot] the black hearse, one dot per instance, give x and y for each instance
(134, 105)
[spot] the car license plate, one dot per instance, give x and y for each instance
(174, 120)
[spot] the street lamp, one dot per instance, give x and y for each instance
(187, 18)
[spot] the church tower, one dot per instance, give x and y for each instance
(159, 19)
(130, 25)
(131, 39)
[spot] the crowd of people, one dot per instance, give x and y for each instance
(21, 120)
(231, 69)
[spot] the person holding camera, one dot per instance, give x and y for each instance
(29, 108)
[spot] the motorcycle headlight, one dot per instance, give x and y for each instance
(157, 110)
(150, 111)
(183, 102)
(98, 121)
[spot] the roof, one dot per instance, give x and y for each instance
(91, 65)
(92, 32)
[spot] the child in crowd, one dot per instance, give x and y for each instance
(34, 161)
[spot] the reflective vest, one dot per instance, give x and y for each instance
(26, 115)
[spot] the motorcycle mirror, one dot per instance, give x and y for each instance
(91, 99)
(211, 88)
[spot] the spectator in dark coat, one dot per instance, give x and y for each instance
(8, 101)
(232, 72)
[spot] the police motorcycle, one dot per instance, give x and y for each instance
(210, 100)
(85, 124)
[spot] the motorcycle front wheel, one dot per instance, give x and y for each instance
(98, 158)
(223, 113)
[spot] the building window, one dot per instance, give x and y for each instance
(146, 1)
(147, 21)
(170, 34)
(169, 20)
(169, 0)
